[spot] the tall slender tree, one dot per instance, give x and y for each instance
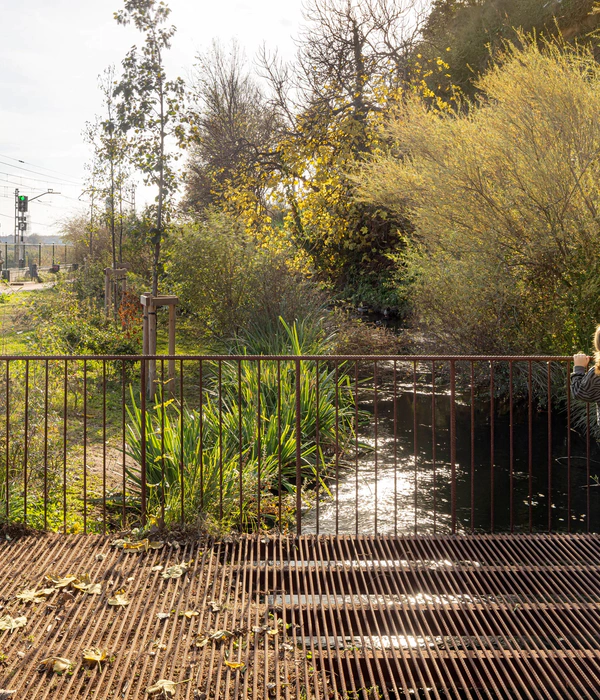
(150, 109)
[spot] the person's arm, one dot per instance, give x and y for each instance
(585, 386)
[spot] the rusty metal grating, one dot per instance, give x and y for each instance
(483, 616)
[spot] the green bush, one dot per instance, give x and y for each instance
(227, 283)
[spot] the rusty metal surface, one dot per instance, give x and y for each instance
(484, 616)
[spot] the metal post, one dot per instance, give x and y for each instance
(298, 454)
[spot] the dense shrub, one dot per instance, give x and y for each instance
(505, 201)
(227, 283)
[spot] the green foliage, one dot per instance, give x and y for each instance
(215, 455)
(150, 108)
(63, 324)
(474, 32)
(226, 282)
(505, 204)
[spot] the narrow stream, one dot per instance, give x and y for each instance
(379, 496)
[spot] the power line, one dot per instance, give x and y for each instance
(35, 172)
(35, 179)
(39, 167)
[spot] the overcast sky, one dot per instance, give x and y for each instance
(51, 53)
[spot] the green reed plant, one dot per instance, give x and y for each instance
(242, 446)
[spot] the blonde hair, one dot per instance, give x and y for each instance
(597, 348)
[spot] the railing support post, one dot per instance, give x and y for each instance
(298, 453)
(143, 386)
(453, 442)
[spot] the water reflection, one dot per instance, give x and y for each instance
(380, 495)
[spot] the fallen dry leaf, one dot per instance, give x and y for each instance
(158, 567)
(57, 663)
(165, 687)
(177, 570)
(85, 584)
(94, 655)
(214, 606)
(61, 582)
(33, 596)
(118, 543)
(12, 623)
(156, 545)
(235, 665)
(140, 546)
(119, 599)
(201, 641)
(189, 614)
(163, 616)
(221, 635)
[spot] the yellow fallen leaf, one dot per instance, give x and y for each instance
(119, 598)
(33, 596)
(57, 663)
(140, 546)
(235, 665)
(272, 632)
(85, 584)
(158, 567)
(118, 543)
(61, 582)
(201, 641)
(189, 614)
(156, 544)
(94, 655)
(12, 623)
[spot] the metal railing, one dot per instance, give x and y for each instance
(322, 444)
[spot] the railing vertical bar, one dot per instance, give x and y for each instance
(549, 399)
(337, 452)
(472, 446)
(298, 453)
(356, 427)
(123, 445)
(26, 443)
(162, 441)
(143, 388)
(7, 439)
(103, 447)
(530, 441)
(220, 381)
(587, 467)
(65, 409)
(415, 445)
(181, 442)
(46, 381)
(492, 444)
(568, 446)
(201, 430)
(240, 444)
(318, 445)
(258, 442)
(395, 397)
(511, 446)
(279, 484)
(376, 441)
(433, 447)
(85, 378)
(453, 443)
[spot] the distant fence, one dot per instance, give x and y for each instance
(40, 254)
(323, 444)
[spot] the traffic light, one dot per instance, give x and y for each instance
(23, 201)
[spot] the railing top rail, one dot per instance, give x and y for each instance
(370, 358)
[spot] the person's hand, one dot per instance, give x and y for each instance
(581, 360)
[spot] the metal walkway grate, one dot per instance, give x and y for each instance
(490, 616)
